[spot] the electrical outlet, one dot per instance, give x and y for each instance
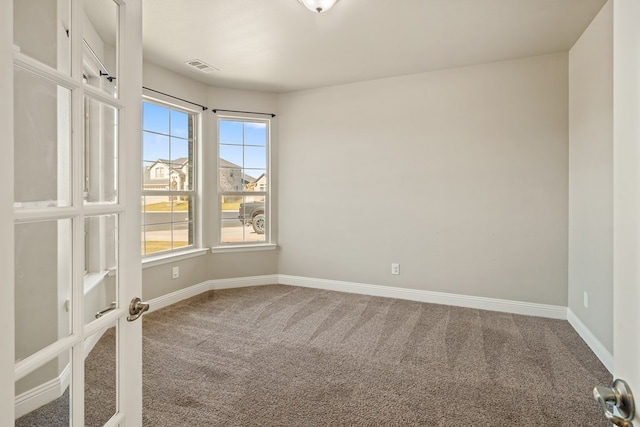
(395, 268)
(175, 273)
(586, 300)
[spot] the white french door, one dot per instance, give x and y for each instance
(71, 82)
(626, 203)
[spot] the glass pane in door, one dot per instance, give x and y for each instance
(42, 147)
(41, 30)
(100, 265)
(100, 152)
(43, 396)
(100, 45)
(42, 284)
(100, 377)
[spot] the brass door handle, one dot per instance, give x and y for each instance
(618, 396)
(136, 308)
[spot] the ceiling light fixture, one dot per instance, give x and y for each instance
(318, 5)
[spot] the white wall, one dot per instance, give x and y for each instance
(36, 32)
(458, 175)
(591, 177)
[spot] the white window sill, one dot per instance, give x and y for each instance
(244, 248)
(152, 261)
(91, 280)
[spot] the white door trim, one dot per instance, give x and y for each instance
(7, 315)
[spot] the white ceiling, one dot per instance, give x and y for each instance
(280, 46)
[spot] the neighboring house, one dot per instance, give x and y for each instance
(232, 178)
(259, 184)
(165, 174)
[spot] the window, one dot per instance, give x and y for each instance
(243, 171)
(168, 187)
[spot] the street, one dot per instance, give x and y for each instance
(232, 231)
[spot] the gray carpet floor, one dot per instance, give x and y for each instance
(289, 356)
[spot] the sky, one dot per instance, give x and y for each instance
(174, 129)
(165, 134)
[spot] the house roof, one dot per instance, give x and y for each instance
(227, 164)
(260, 177)
(179, 162)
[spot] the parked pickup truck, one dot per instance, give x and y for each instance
(252, 213)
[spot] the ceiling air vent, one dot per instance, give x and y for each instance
(201, 65)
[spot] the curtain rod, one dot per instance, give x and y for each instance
(215, 110)
(175, 97)
(95, 56)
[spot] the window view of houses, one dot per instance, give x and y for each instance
(242, 180)
(168, 193)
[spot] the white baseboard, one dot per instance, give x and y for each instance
(31, 400)
(243, 282)
(481, 303)
(209, 285)
(492, 304)
(594, 344)
(177, 296)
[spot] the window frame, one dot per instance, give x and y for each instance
(193, 248)
(267, 243)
